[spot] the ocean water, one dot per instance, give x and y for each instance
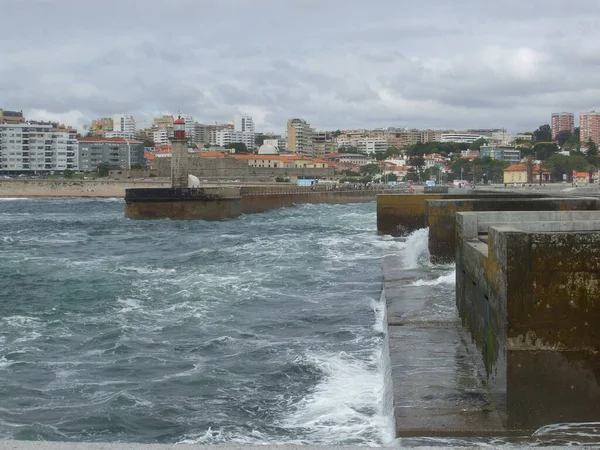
(264, 329)
(267, 328)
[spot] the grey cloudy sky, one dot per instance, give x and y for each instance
(336, 63)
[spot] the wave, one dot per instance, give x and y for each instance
(449, 278)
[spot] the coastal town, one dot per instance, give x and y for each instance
(114, 147)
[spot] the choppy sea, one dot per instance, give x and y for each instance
(264, 329)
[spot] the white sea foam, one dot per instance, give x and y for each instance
(415, 250)
(130, 304)
(449, 278)
(347, 404)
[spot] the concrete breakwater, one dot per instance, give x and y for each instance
(73, 188)
(226, 203)
(522, 352)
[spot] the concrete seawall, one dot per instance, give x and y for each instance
(218, 204)
(73, 188)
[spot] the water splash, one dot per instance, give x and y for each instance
(449, 278)
(416, 252)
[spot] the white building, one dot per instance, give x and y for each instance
(123, 125)
(37, 147)
(191, 130)
(226, 137)
(461, 137)
(162, 136)
(365, 145)
(243, 122)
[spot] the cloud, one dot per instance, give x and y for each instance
(338, 64)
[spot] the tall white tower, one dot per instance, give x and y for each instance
(244, 123)
(124, 125)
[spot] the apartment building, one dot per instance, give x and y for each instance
(162, 136)
(501, 153)
(364, 145)
(562, 121)
(37, 147)
(323, 143)
(228, 136)
(589, 127)
(118, 152)
(11, 117)
(299, 137)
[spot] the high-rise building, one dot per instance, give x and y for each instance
(243, 122)
(562, 121)
(11, 116)
(299, 137)
(33, 147)
(589, 127)
(123, 126)
(101, 126)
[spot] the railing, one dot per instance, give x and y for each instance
(296, 190)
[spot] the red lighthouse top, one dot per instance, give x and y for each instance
(179, 128)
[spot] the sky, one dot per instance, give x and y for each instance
(338, 64)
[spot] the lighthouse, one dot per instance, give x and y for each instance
(179, 155)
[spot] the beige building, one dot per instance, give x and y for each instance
(101, 126)
(323, 143)
(299, 137)
(11, 117)
(161, 123)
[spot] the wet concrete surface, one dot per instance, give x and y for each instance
(438, 380)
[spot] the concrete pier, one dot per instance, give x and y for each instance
(400, 214)
(440, 216)
(438, 385)
(527, 290)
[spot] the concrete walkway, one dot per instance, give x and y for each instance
(437, 382)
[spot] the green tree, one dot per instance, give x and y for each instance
(543, 133)
(136, 166)
(148, 143)
(103, 169)
(369, 169)
(543, 150)
(592, 156)
(562, 166)
(239, 147)
(572, 143)
(562, 137)
(417, 166)
(478, 143)
(68, 173)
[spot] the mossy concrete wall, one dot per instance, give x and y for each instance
(441, 216)
(400, 214)
(530, 302)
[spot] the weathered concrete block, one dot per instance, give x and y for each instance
(441, 216)
(400, 214)
(538, 329)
